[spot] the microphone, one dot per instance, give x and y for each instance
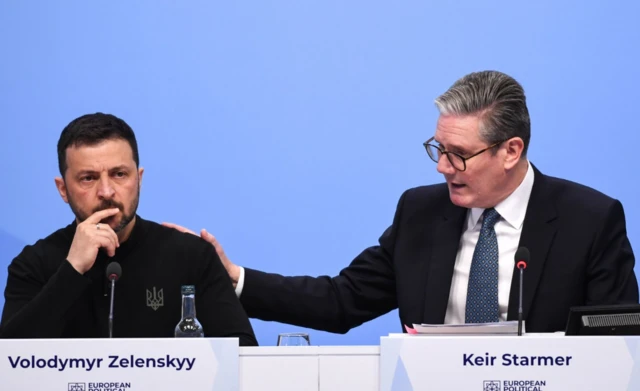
(114, 271)
(521, 258)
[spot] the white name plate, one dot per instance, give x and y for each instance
(509, 363)
(119, 364)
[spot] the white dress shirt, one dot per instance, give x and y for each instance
(508, 230)
(240, 283)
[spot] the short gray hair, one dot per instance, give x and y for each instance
(498, 100)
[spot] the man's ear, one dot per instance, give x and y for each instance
(514, 148)
(62, 188)
(140, 172)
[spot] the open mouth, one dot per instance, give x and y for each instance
(457, 185)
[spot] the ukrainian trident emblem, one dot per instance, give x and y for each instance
(155, 299)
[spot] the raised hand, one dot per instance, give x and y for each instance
(232, 269)
(90, 237)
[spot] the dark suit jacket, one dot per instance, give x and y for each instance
(580, 255)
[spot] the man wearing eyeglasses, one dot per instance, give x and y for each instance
(448, 256)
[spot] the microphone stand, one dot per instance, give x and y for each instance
(113, 286)
(520, 301)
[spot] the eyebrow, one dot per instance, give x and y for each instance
(85, 172)
(121, 167)
(453, 148)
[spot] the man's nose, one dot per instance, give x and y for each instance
(105, 188)
(444, 165)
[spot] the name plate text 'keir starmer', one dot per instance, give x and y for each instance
(532, 362)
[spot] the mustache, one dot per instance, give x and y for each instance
(108, 204)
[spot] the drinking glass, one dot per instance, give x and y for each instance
(293, 339)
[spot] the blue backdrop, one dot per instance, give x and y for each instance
(289, 129)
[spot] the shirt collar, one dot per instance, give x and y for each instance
(510, 209)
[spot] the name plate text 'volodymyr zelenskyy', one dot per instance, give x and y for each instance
(111, 361)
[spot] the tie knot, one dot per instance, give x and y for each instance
(490, 218)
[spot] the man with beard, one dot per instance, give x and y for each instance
(57, 287)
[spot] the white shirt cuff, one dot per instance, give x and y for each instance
(240, 283)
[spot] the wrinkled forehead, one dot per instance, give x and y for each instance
(458, 131)
(103, 155)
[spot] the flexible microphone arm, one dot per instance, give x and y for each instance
(521, 258)
(114, 271)
(113, 288)
(520, 300)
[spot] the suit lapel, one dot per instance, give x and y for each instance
(444, 243)
(537, 235)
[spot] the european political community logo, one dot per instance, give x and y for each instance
(491, 385)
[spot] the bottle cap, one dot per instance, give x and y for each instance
(188, 290)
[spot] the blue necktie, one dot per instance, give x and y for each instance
(482, 293)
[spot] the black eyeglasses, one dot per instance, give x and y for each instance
(457, 161)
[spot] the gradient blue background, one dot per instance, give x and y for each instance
(289, 129)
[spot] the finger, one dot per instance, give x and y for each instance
(112, 233)
(106, 243)
(212, 239)
(106, 228)
(107, 232)
(100, 215)
(179, 228)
